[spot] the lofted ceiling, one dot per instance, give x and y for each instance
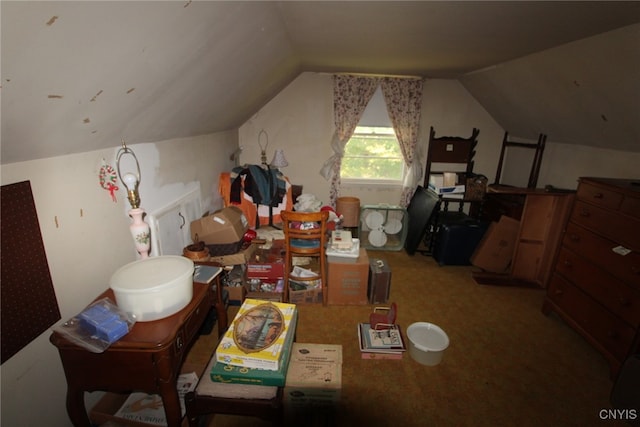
(80, 76)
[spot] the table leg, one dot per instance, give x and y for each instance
(171, 402)
(223, 320)
(76, 409)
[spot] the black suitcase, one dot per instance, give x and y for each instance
(456, 242)
(379, 281)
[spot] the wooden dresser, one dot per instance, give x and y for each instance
(595, 285)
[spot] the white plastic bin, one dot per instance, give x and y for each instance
(427, 343)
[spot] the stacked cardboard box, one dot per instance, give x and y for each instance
(258, 335)
(314, 378)
(223, 233)
(348, 283)
(265, 273)
(225, 373)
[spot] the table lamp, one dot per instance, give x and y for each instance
(131, 180)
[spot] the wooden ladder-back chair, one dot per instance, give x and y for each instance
(305, 235)
(451, 154)
(537, 157)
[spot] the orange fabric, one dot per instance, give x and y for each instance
(248, 207)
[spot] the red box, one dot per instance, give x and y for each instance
(348, 283)
(267, 264)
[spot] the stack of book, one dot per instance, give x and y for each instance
(256, 348)
(383, 342)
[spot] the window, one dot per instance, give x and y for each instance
(373, 154)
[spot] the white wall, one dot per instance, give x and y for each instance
(300, 121)
(563, 164)
(90, 241)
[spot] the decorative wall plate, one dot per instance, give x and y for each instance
(258, 328)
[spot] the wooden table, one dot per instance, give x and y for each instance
(147, 359)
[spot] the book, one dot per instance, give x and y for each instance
(224, 373)
(205, 273)
(256, 337)
(383, 356)
(388, 339)
(148, 408)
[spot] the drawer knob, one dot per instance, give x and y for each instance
(613, 334)
(574, 237)
(625, 302)
(179, 342)
(598, 195)
(558, 292)
(585, 213)
(567, 263)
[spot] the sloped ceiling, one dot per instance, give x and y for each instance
(80, 76)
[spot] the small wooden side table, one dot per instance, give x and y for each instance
(147, 359)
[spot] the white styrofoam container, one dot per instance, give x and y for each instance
(344, 256)
(154, 288)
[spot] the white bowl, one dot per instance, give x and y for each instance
(154, 288)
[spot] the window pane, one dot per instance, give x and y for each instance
(373, 153)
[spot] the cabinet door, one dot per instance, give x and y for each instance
(170, 226)
(540, 233)
(169, 237)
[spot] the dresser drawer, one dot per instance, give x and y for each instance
(617, 227)
(599, 195)
(600, 251)
(610, 332)
(622, 300)
(631, 206)
(192, 325)
(195, 321)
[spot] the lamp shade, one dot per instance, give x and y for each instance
(279, 161)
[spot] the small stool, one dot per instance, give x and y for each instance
(211, 397)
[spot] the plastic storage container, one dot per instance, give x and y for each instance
(154, 288)
(344, 256)
(427, 343)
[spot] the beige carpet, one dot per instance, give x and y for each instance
(507, 365)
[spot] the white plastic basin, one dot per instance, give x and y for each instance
(154, 288)
(427, 343)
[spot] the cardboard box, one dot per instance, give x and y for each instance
(234, 259)
(314, 377)
(445, 183)
(267, 264)
(266, 296)
(348, 283)
(309, 296)
(445, 179)
(495, 250)
(227, 225)
(237, 294)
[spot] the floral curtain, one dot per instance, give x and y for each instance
(351, 94)
(403, 97)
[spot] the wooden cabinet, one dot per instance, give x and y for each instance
(595, 285)
(539, 232)
(147, 359)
